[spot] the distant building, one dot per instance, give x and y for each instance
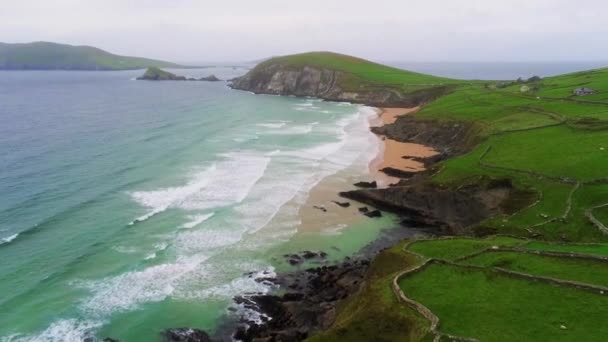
(583, 91)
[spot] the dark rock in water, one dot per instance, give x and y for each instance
(363, 210)
(367, 185)
(109, 339)
(373, 213)
(184, 335)
(296, 259)
(320, 208)
(308, 254)
(210, 78)
(342, 204)
(157, 74)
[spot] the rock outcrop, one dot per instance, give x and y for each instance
(184, 335)
(210, 78)
(157, 74)
(328, 84)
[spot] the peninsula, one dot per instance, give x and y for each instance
(53, 56)
(515, 188)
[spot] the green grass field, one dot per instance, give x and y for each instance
(581, 270)
(450, 249)
(494, 307)
(592, 249)
(544, 144)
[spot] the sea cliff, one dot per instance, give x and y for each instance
(281, 76)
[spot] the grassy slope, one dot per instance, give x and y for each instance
(450, 249)
(490, 306)
(494, 307)
(375, 314)
(582, 270)
(43, 55)
(555, 137)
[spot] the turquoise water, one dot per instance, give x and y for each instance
(127, 207)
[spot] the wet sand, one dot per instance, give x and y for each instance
(390, 115)
(399, 155)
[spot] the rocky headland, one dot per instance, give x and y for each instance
(281, 77)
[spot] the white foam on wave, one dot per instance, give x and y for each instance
(195, 220)
(125, 249)
(128, 290)
(291, 130)
(67, 330)
(258, 193)
(237, 286)
(8, 239)
(245, 138)
(161, 246)
(272, 124)
(216, 186)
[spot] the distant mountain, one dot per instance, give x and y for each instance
(53, 56)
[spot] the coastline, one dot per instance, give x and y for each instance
(287, 312)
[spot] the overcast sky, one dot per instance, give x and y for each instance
(384, 30)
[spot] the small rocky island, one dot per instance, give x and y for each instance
(157, 74)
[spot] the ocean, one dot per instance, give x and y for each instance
(128, 207)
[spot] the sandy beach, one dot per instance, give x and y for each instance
(399, 155)
(391, 153)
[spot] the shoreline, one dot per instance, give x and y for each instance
(406, 157)
(318, 290)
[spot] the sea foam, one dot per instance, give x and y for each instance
(8, 239)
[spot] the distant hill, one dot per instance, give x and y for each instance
(53, 56)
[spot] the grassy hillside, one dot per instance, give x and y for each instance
(547, 140)
(51, 56)
(479, 292)
(543, 138)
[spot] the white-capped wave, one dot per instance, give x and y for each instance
(161, 246)
(195, 220)
(8, 238)
(67, 330)
(291, 130)
(125, 249)
(237, 286)
(272, 124)
(221, 184)
(128, 290)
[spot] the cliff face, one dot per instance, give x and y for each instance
(279, 79)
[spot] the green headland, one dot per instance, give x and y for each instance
(53, 56)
